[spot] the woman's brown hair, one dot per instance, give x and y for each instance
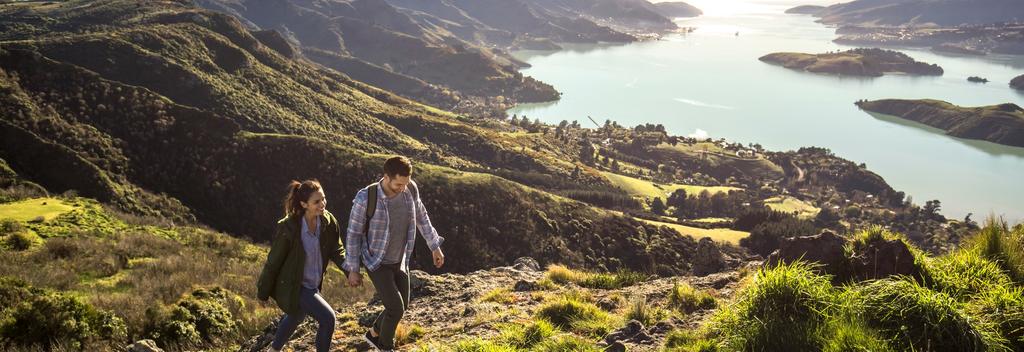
(299, 192)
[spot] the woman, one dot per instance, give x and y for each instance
(306, 239)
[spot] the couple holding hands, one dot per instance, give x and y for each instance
(380, 237)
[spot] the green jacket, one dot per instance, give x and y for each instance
(282, 274)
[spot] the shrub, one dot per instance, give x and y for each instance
(765, 237)
(22, 240)
(46, 319)
(915, 317)
(526, 336)
(782, 308)
(687, 299)
(203, 314)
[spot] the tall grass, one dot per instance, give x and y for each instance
(916, 318)
(782, 308)
(562, 275)
(687, 299)
(998, 243)
(573, 315)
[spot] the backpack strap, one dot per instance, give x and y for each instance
(371, 208)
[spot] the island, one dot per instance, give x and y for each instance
(977, 79)
(806, 10)
(1017, 83)
(1002, 124)
(677, 9)
(855, 62)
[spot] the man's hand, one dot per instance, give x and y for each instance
(355, 279)
(438, 258)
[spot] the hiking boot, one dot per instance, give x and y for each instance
(372, 341)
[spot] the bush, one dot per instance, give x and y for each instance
(47, 319)
(203, 315)
(22, 240)
(781, 309)
(914, 317)
(526, 336)
(686, 299)
(765, 237)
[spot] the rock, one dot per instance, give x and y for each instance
(708, 258)
(144, 346)
(37, 219)
(615, 347)
(607, 303)
(883, 258)
(526, 264)
(468, 311)
(825, 248)
(632, 332)
(661, 328)
(523, 285)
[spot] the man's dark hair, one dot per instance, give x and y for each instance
(398, 166)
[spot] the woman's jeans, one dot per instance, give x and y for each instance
(392, 285)
(310, 303)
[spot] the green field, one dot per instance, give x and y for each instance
(792, 205)
(648, 189)
(719, 235)
(31, 209)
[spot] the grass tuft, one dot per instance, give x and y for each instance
(687, 299)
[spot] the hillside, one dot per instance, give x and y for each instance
(943, 13)
(806, 10)
(674, 9)
(854, 62)
(1003, 124)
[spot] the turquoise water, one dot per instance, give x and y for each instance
(709, 82)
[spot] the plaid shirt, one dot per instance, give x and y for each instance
(356, 250)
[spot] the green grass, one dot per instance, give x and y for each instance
(573, 315)
(650, 190)
(965, 273)
(781, 308)
(686, 299)
(914, 317)
(562, 275)
(998, 243)
(719, 235)
(36, 208)
(499, 295)
(641, 310)
(524, 336)
(786, 204)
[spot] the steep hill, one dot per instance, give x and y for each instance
(1003, 124)
(922, 12)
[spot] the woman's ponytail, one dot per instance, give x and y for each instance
(299, 192)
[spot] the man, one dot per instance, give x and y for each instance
(385, 243)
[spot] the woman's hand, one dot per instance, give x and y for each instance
(355, 279)
(438, 258)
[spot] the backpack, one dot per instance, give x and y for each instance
(371, 198)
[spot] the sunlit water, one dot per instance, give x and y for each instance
(710, 81)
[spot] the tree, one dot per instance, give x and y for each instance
(931, 209)
(515, 120)
(657, 206)
(587, 153)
